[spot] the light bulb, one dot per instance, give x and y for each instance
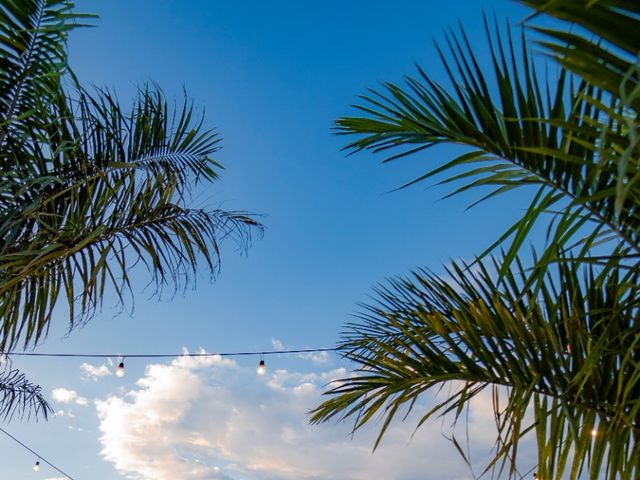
(120, 370)
(594, 432)
(36, 467)
(261, 368)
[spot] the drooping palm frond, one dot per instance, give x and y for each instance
(19, 397)
(568, 347)
(522, 130)
(108, 191)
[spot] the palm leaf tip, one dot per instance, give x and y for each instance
(20, 398)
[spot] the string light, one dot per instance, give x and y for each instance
(171, 355)
(120, 369)
(40, 458)
(594, 432)
(261, 368)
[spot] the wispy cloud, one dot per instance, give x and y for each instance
(277, 344)
(316, 357)
(319, 358)
(64, 413)
(63, 395)
(94, 372)
(209, 418)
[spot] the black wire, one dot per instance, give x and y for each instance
(40, 457)
(170, 355)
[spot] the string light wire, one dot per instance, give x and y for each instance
(171, 355)
(36, 454)
(146, 355)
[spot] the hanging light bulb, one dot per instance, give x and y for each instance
(120, 370)
(36, 466)
(261, 368)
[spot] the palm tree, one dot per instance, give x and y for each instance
(555, 330)
(89, 190)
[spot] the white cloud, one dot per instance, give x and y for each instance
(94, 372)
(316, 357)
(64, 413)
(277, 344)
(63, 395)
(208, 418)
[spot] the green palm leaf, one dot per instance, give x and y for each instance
(110, 195)
(603, 48)
(558, 339)
(604, 51)
(519, 132)
(568, 347)
(32, 55)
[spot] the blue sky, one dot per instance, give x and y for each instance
(271, 77)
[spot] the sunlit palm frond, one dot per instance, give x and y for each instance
(567, 348)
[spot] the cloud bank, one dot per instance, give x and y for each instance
(209, 418)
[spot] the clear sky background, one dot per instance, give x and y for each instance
(272, 77)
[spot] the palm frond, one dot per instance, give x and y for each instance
(602, 46)
(604, 50)
(19, 397)
(520, 133)
(107, 190)
(566, 347)
(152, 136)
(32, 54)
